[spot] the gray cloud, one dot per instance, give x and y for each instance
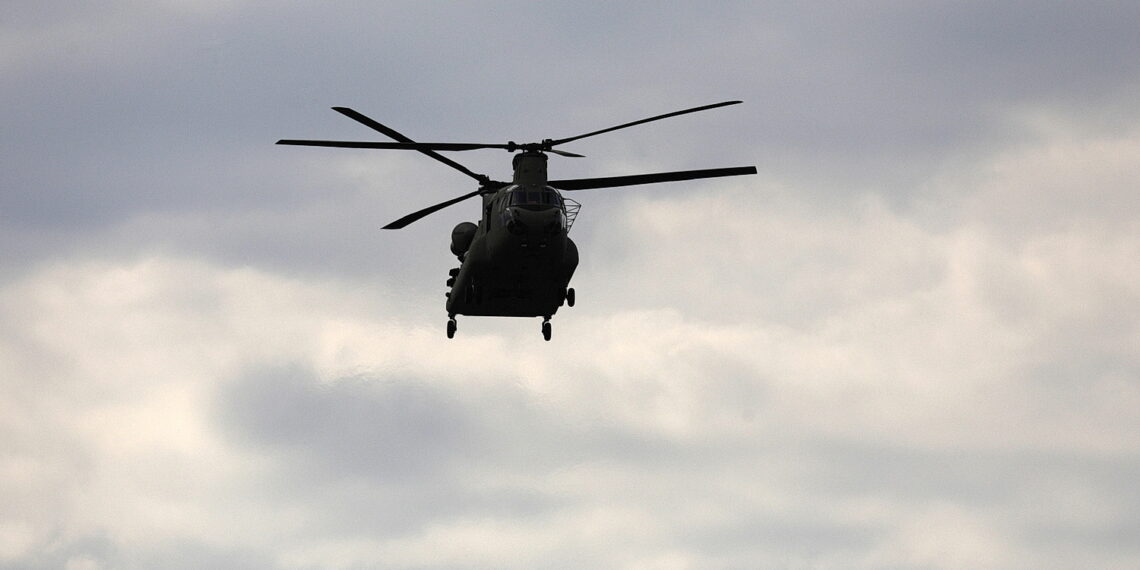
(904, 344)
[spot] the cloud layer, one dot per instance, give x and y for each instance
(909, 342)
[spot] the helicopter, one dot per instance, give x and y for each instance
(519, 259)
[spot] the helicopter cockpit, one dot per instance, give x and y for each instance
(535, 198)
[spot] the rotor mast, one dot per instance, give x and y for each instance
(530, 168)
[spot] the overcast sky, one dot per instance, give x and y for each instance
(911, 341)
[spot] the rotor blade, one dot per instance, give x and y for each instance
(642, 121)
(564, 153)
(430, 210)
(614, 181)
(396, 136)
(372, 124)
(420, 146)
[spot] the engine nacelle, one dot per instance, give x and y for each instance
(461, 238)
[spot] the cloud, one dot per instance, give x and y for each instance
(855, 433)
(905, 343)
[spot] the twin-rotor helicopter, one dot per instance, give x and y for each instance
(518, 260)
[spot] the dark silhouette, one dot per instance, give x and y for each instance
(518, 260)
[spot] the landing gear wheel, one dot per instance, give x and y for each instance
(546, 329)
(570, 296)
(451, 326)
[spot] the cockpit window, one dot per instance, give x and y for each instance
(535, 199)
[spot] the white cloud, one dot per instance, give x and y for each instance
(906, 343)
(141, 354)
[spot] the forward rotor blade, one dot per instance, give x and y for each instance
(615, 181)
(396, 136)
(430, 210)
(643, 121)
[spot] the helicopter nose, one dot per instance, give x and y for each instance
(535, 223)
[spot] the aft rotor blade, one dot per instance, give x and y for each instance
(564, 153)
(430, 210)
(397, 136)
(394, 135)
(643, 121)
(420, 146)
(615, 181)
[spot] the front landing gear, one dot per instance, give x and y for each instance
(452, 326)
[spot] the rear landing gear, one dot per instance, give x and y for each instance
(451, 327)
(546, 328)
(570, 296)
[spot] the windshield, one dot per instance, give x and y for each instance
(536, 198)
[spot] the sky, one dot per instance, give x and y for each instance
(912, 340)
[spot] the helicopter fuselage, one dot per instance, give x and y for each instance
(519, 260)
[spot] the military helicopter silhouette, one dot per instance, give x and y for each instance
(518, 260)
